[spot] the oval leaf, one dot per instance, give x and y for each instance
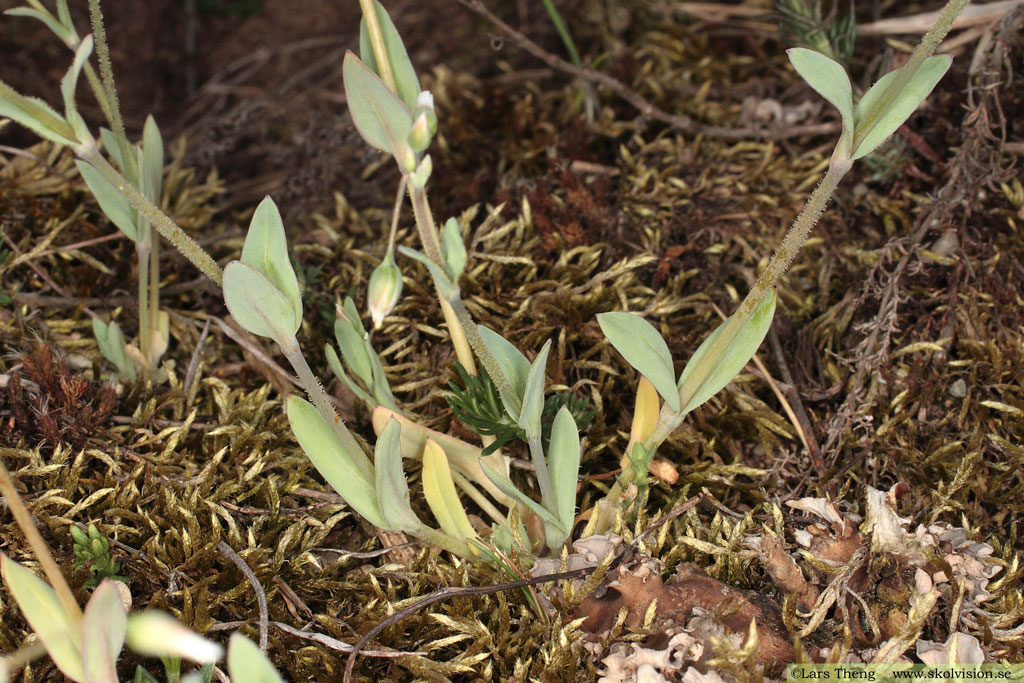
(392, 487)
(514, 365)
(379, 115)
(350, 474)
(405, 76)
(258, 305)
(564, 465)
(644, 349)
(103, 632)
(46, 616)
(899, 109)
(111, 202)
(731, 360)
(266, 250)
(829, 79)
(247, 663)
(443, 499)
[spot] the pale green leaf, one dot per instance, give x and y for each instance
(266, 250)
(112, 147)
(37, 116)
(533, 395)
(111, 342)
(514, 365)
(899, 109)
(392, 487)
(353, 350)
(379, 115)
(405, 76)
(350, 474)
(564, 465)
(643, 348)
(506, 486)
(445, 287)
(69, 83)
(67, 37)
(153, 159)
(259, 306)
(731, 360)
(829, 79)
(111, 201)
(44, 613)
(334, 363)
(103, 633)
(246, 664)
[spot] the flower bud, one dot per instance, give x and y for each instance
(419, 136)
(385, 289)
(453, 250)
(422, 174)
(425, 105)
(408, 159)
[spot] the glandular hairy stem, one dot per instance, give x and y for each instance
(35, 540)
(380, 52)
(929, 42)
(113, 109)
(778, 264)
(150, 212)
(319, 398)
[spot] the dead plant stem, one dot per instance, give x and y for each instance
(380, 50)
(35, 540)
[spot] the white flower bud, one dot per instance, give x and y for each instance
(419, 136)
(385, 289)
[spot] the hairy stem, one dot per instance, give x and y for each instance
(923, 51)
(150, 212)
(319, 398)
(380, 51)
(113, 110)
(35, 541)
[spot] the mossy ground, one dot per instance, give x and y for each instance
(898, 342)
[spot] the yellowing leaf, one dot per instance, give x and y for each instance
(645, 414)
(443, 499)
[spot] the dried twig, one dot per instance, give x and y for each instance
(261, 597)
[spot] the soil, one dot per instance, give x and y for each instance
(895, 360)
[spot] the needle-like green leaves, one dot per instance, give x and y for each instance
(44, 613)
(380, 116)
(247, 663)
(392, 487)
(644, 349)
(405, 76)
(727, 362)
(533, 395)
(900, 108)
(350, 474)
